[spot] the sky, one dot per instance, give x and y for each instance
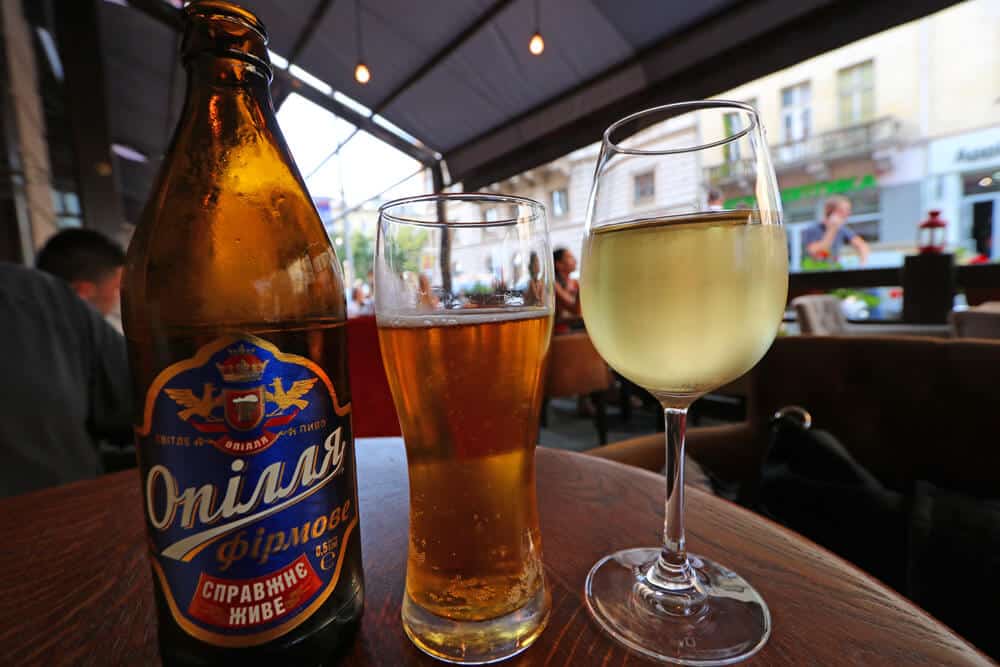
(366, 165)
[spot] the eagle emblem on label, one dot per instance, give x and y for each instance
(245, 403)
(250, 491)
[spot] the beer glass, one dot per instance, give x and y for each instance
(464, 301)
(683, 286)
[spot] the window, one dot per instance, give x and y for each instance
(645, 187)
(856, 94)
(66, 206)
(560, 204)
(731, 124)
(796, 115)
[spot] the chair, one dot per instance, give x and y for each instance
(373, 412)
(906, 408)
(820, 314)
(983, 321)
(576, 369)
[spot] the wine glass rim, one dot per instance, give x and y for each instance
(690, 106)
(536, 207)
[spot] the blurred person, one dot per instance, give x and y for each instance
(824, 239)
(354, 300)
(91, 264)
(568, 313)
(534, 293)
(427, 298)
(358, 305)
(982, 235)
(714, 200)
(66, 383)
(567, 290)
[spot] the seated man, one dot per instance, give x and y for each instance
(65, 383)
(91, 264)
(824, 239)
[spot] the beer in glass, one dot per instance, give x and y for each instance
(464, 334)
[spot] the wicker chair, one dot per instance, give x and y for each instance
(820, 315)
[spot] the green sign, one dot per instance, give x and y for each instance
(813, 190)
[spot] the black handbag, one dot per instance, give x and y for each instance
(939, 547)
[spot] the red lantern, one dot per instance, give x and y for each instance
(931, 234)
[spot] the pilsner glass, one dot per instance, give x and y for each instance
(682, 294)
(464, 301)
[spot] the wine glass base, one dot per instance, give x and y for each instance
(731, 625)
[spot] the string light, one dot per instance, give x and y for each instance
(537, 44)
(361, 72)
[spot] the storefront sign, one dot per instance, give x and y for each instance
(966, 152)
(978, 154)
(817, 190)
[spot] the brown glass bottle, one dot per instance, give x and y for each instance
(233, 306)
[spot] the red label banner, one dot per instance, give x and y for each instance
(243, 603)
(226, 443)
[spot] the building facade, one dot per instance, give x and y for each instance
(899, 122)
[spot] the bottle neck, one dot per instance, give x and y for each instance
(226, 97)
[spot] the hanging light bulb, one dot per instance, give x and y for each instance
(537, 44)
(362, 74)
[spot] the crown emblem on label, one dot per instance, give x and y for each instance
(242, 365)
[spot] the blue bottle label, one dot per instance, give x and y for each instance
(249, 489)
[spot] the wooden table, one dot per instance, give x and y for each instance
(76, 587)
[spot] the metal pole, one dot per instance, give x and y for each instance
(437, 176)
(348, 258)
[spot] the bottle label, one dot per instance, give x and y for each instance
(249, 489)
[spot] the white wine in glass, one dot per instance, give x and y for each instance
(682, 296)
(684, 304)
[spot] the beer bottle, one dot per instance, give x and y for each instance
(234, 311)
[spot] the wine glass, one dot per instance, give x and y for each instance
(681, 294)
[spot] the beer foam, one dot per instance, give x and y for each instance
(459, 317)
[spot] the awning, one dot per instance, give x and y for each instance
(457, 77)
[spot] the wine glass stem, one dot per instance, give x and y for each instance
(672, 572)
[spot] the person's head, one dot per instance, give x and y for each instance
(714, 198)
(837, 206)
(534, 266)
(89, 261)
(565, 262)
(358, 294)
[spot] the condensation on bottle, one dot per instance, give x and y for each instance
(234, 311)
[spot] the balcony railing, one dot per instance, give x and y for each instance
(856, 140)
